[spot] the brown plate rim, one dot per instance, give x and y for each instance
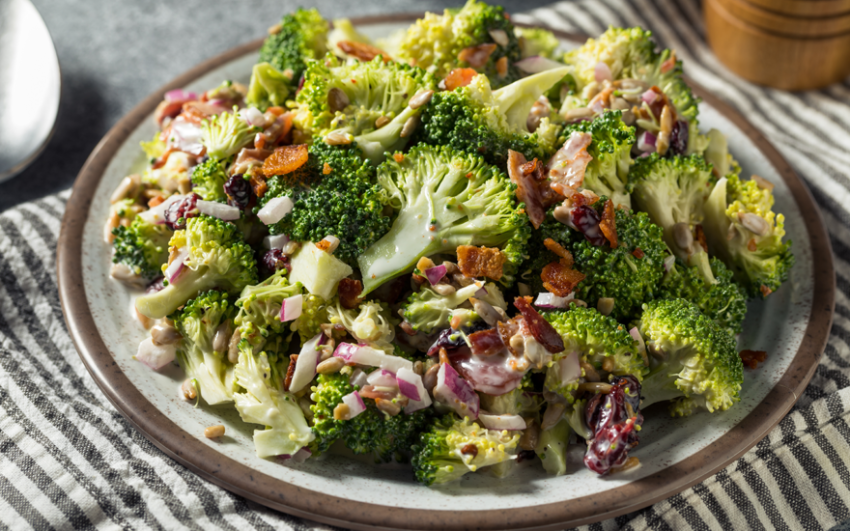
(227, 473)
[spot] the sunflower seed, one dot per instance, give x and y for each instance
(420, 99)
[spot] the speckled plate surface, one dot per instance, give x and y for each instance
(675, 453)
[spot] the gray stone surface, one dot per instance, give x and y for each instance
(113, 53)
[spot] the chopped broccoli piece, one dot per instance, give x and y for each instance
(699, 365)
(218, 258)
(301, 39)
(142, 246)
(444, 199)
(208, 180)
(537, 41)
(259, 305)
(155, 147)
(225, 134)
(427, 310)
(269, 87)
(370, 323)
(314, 313)
(552, 448)
(743, 231)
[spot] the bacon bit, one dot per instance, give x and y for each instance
(608, 225)
(560, 279)
(290, 372)
(361, 51)
(398, 157)
(477, 56)
(601, 101)
(470, 449)
(285, 160)
(669, 64)
(326, 169)
(419, 279)
(277, 111)
(558, 249)
(701, 237)
(638, 253)
(349, 292)
(167, 109)
(486, 343)
(160, 162)
(258, 183)
(368, 391)
(765, 291)
(539, 327)
(502, 66)
(444, 356)
(578, 199)
(509, 329)
(286, 129)
(196, 111)
(459, 77)
(480, 261)
(155, 201)
(751, 245)
(752, 358)
(527, 189)
(568, 164)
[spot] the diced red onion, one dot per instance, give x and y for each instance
(536, 64)
(156, 215)
(602, 72)
(382, 378)
(550, 301)
(218, 210)
(481, 292)
(435, 274)
(649, 96)
(358, 378)
(456, 393)
(253, 116)
(275, 209)
(180, 95)
(502, 422)
(278, 241)
(290, 308)
(646, 142)
(669, 262)
(176, 266)
(186, 136)
(499, 36)
(637, 337)
(156, 356)
(305, 367)
(569, 368)
(410, 385)
(365, 355)
(355, 404)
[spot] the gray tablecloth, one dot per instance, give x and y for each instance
(69, 459)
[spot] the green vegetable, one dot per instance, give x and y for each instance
(142, 246)
(208, 180)
(427, 310)
(552, 448)
(314, 313)
(300, 40)
(537, 41)
(259, 305)
(269, 87)
(319, 271)
(225, 134)
(370, 323)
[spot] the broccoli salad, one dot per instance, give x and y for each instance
(458, 247)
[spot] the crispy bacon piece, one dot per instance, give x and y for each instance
(539, 327)
(349, 293)
(700, 235)
(459, 77)
(285, 160)
(290, 371)
(477, 56)
(608, 225)
(601, 101)
(527, 189)
(160, 162)
(557, 248)
(197, 111)
(258, 184)
(167, 109)
(480, 261)
(249, 158)
(669, 64)
(560, 279)
(638, 253)
(368, 391)
(765, 291)
(568, 164)
(486, 342)
(362, 51)
(752, 358)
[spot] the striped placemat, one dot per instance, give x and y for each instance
(68, 459)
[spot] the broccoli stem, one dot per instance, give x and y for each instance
(191, 282)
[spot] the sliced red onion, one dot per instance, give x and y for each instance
(305, 367)
(290, 308)
(646, 142)
(156, 215)
(550, 301)
(355, 404)
(275, 209)
(358, 378)
(602, 72)
(382, 378)
(180, 95)
(218, 210)
(569, 368)
(499, 36)
(481, 292)
(156, 356)
(278, 241)
(435, 274)
(536, 64)
(456, 393)
(176, 266)
(410, 385)
(669, 262)
(253, 116)
(637, 337)
(365, 355)
(502, 422)
(186, 136)
(649, 96)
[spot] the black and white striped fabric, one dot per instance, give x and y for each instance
(68, 459)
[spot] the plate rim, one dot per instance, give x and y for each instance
(236, 477)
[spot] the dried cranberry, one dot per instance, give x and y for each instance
(586, 220)
(679, 138)
(239, 192)
(613, 418)
(274, 259)
(179, 211)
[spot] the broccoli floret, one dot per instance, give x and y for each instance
(346, 203)
(259, 305)
(269, 87)
(438, 459)
(208, 180)
(314, 313)
(444, 199)
(142, 246)
(225, 134)
(744, 232)
(301, 39)
(370, 323)
(598, 339)
(217, 258)
(699, 365)
(426, 309)
(155, 147)
(608, 172)
(552, 448)
(435, 41)
(198, 323)
(477, 120)
(537, 41)
(724, 302)
(370, 432)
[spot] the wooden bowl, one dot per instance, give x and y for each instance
(805, 8)
(772, 58)
(791, 25)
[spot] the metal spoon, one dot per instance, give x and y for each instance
(30, 87)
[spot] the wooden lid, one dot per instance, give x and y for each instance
(805, 8)
(789, 24)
